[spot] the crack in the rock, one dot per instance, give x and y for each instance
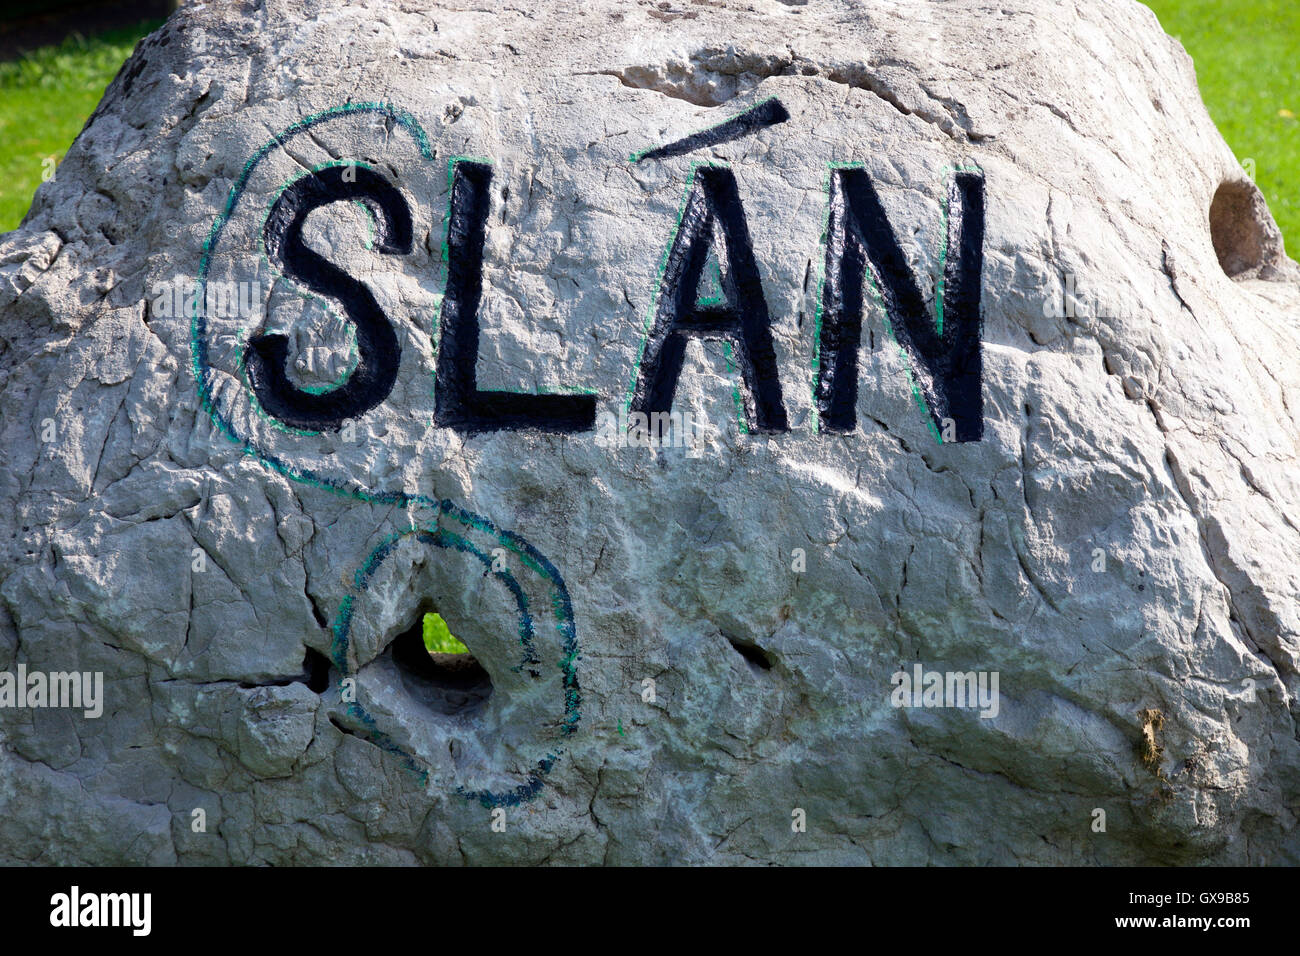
(714, 77)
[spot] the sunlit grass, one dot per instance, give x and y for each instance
(46, 97)
(438, 638)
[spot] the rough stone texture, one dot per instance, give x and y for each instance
(1155, 419)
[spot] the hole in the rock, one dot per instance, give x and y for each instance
(316, 668)
(445, 680)
(438, 638)
(1238, 228)
(752, 653)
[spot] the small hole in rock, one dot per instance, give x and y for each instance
(316, 668)
(446, 680)
(1241, 229)
(752, 653)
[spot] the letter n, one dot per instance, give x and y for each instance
(944, 352)
(739, 315)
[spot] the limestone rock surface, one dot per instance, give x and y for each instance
(684, 654)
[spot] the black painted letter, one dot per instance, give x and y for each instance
(947, 361)
(458, 402)
(741, 316)
(378, 350)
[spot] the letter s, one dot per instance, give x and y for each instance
(379, 352)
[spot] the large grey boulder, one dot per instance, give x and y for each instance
(407, 220)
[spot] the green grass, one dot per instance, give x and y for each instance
(1247, 55)
(45, 98)
(438, 638)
